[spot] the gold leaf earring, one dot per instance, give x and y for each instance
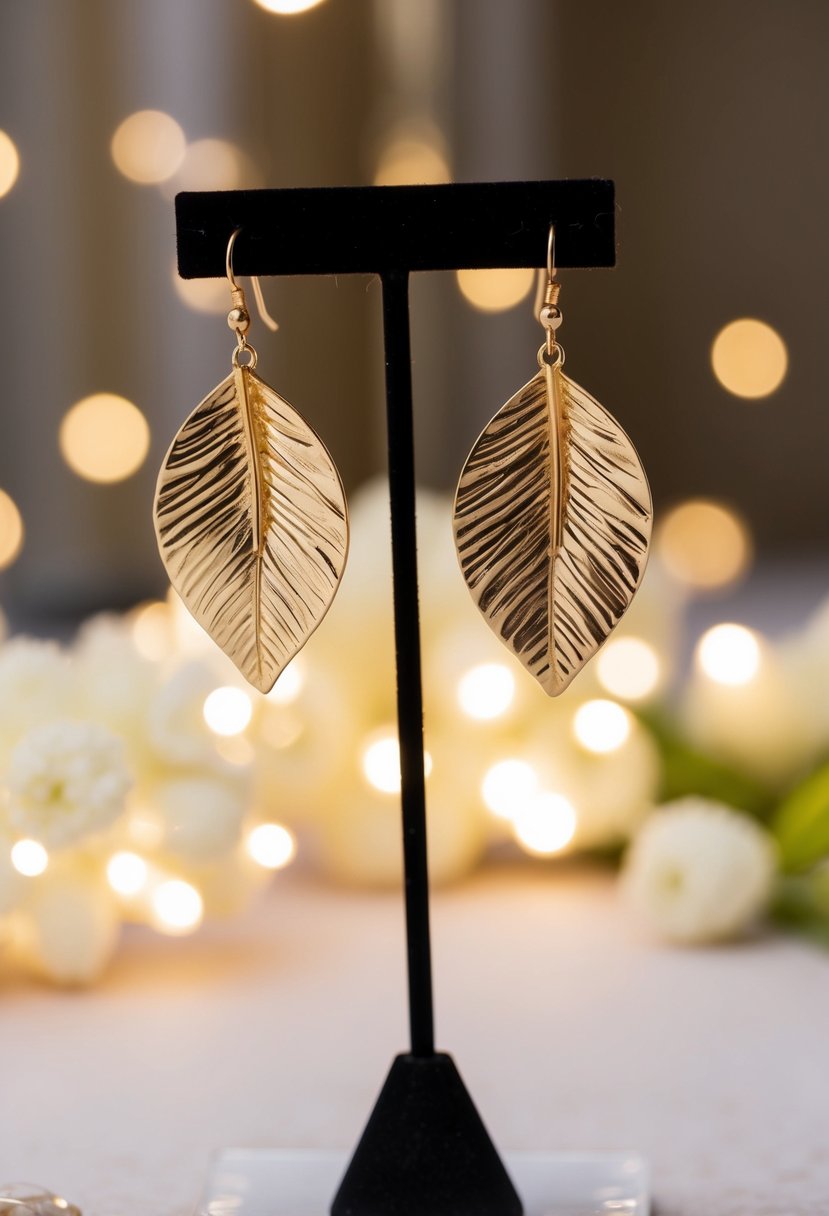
(250, 514)
(552, 517)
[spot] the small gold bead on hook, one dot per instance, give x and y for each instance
(239, 319)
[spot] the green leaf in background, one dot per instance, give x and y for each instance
(801, 824)
(687, 771)
(801, 905)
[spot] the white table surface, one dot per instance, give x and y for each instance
(571, 1029)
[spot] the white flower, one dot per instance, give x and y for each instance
(68, 928)
(66, 780)
(176, 727)
(699, 871)
(113, 682)
(202, 818)
(35, 686)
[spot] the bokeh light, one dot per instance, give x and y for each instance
(202, 295)
(287, 7)
(127, 873)
(601, 726)
(729, 654)
(177, 907)
(381, 763)
(412, 160)
(228, 710)
(271, 846)
(749, 358)
(495, 290)
(507, 786)
(9, 163)
(704, 544)
(213, 164)
(486, 691)
(151, 628)
(11, 530)
(546, 825)
(148, 147)
(104, 438)
(29, 858)
(628, 668)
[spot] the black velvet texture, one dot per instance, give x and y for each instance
(373, 229)
(425, 1151)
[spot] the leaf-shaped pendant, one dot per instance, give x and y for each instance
(552, 525)
(252, 525)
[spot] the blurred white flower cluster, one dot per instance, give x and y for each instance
(503, 762)
(116, 803)
(142, 779)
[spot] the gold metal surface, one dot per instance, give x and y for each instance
(552, 518)
(252, 524)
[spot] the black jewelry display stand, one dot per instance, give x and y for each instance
(425, 1150)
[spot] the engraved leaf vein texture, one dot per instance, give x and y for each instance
(552, 524)
(251, 522)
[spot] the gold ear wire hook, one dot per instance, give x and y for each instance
(239, 317)
(546, 299)
(546, 280)
(261, 307)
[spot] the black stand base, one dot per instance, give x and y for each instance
(425, 1151)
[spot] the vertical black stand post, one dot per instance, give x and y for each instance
(400, 425)
(424, 1151)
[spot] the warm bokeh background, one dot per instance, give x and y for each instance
(712, 119)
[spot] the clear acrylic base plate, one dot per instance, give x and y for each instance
(281, 1182)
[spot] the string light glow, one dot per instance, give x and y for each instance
(412, 160)
(381, 764)
(271, 846)
(228, 710)
(29, 858)
(151, 630)
(704, 544)
(104, 438)
(148, 147)
(495, 290)
(9, 163)
(287, 8)
(729, 654)
(486, 691)
(508, 786)
(177, 907)
(749, 358)
(601, 726)
(127, 873)
(628, 668)
(202, 295)
(11, 530)
(212, 164)
(546, 825)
